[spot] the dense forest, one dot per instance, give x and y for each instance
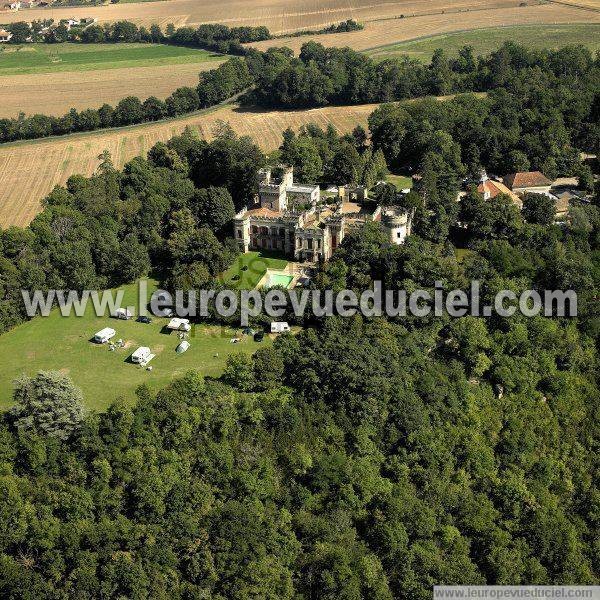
(363, 458)
(565, 81)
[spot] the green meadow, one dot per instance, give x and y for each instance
(51, 58)
(489, 39)
(63, 344)
(402, 182)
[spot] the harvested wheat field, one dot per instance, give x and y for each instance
(591, 4)
(29, 170)
(280, 16)
(56, 93)
(377, 34)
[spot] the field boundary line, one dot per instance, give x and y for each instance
(580, 6)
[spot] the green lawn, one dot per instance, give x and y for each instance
(401, 182)
(50, 58)
(61, 343)
(249, 269)
(462, 253)
(489, 39)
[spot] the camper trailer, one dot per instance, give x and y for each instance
(176, 324)
(279, 327)
(104, 335)
(141, 356)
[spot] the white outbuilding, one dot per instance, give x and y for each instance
(123, 313)
(176, 324)
(279, 327)
(104, 335)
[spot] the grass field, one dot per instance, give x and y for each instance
(384, 32)
(55, 58)
(29, 170)
(63, 343)
(401, 182)
(487, 40)
(249, 269)
(53, 78)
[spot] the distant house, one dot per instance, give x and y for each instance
(5, 36)
(563, 203)
(532, 181)
(12, 6)
(104, 335)
(491, 189)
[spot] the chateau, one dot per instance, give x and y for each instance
(294, 220)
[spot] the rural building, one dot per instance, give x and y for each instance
(279, 327)
(141, 356)
(491, 189)
(176, 324)
(291, 219)
(104, 335)
(12, 6)
(534, 182)
(5, 36)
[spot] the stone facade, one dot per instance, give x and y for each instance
(291, 219)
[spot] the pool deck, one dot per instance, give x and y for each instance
(293, 270)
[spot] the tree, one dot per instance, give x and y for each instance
(94, 34)
(585, 178)
(213, 208)
(129, 111)
(182, 100)
(345, 166)
(239, 372)
(20, 32)
(268, 368)
(302, 153)
(154, 109)
(539, 209)
(48, 403)
(133, 259)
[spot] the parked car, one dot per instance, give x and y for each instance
(144, 319)
(259, 336)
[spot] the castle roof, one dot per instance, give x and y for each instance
(263, 212)
(526, 179)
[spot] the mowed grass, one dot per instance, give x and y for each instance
(250, 268)
(486, 40)
(51, 58)
(63, 343)
(402, 182)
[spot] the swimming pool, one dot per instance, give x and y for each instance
(277, 279)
